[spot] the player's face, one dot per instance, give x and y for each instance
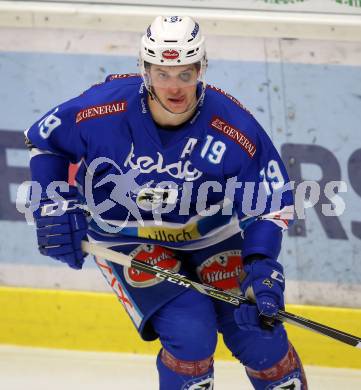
(175, 86)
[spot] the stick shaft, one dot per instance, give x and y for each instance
(173, 277)
(170, 276)
(319, 328)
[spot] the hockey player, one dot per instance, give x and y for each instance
(179, 174)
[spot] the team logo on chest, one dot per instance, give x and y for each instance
(181, 169)
(222, 270)
(149, 199)
(153, 255)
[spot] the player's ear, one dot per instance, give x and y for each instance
(147, 66)
(197, 65)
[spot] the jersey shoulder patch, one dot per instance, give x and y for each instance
(101, 110)
(234, 134)
(108, 98)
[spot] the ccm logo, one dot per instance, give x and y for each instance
(58, 208)
(170, 54)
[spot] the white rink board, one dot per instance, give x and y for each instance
(350, 7)
(306, 94)
(328, 22)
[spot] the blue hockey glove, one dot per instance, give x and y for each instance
(264, 284)
(61, 226)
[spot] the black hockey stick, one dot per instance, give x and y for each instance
(181, 280)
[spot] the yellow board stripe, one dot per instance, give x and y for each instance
(97, 322)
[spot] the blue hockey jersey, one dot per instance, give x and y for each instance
(219, 174)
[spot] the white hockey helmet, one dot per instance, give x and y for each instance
(172, 40)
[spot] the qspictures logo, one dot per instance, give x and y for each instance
(161, 199)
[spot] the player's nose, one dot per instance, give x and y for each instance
(174, 91)
(174, 86)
